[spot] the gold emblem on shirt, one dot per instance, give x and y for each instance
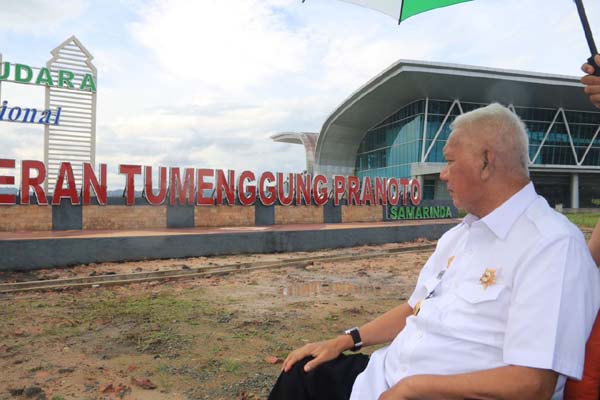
(450, 260)
(417, 307)
(488, 278)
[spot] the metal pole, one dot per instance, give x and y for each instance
(588, 36)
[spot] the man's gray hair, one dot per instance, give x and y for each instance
(503, 130)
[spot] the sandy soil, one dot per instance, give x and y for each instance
(203, 338)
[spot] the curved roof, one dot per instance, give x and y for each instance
(406, 81)
(308, 139)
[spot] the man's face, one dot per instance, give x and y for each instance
(462, 174)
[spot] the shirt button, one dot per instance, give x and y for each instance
(403, 369)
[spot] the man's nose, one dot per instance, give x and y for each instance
(444, 174)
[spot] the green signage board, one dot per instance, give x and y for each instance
(62, 78)
(395, 213)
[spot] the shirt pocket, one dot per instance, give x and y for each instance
(475, 293)
(477, 314)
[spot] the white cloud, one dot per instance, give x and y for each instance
(36, 17)
(229, 44)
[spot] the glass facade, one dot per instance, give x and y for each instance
(389, 148)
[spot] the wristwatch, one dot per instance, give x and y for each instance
(355, 338)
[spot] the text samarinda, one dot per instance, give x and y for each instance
(61, 78)
(206, 186)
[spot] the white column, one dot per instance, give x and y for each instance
(424, 142)
(575, 191)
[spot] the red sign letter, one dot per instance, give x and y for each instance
(381, 191)
(247, 200)
(320, 190)
(404, 185)
(27, 181)
(178, 188)
(367, 192)
(70, 191)
(353, 187)
(130, 171)
(202, 186)
(7, 199)
(227, 186)
(285, 201)
(393, 191)
(262, 191)
(90, 180)
(415, 192)
(153, 199)
(303, 189)
(339, 187)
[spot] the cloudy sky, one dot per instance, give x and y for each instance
(205, 83)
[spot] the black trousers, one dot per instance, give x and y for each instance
(332, 380)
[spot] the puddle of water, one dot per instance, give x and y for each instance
(320, 288)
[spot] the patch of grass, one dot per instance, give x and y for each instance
(584, 220)
(243, 334)
(231, 366)
(332, 317)
(160, 308)
(160, 341)
(163, 379)
(57, 398)
(63, 331)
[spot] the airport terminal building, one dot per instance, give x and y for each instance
(397, 124)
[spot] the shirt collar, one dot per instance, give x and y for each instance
(503, 217)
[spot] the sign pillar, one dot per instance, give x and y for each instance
(74, 139)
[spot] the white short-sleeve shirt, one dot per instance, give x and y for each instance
(517, 287)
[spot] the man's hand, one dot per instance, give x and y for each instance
(400, 391)
(591, 82)
(321, 351)
(502, 383)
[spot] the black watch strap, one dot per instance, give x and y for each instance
(355, 334)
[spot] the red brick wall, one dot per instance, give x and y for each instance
(215, 216)
(362, 213)
(124, 217)
(25, 218)
(298, 215)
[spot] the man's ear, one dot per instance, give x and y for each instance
(487, 164)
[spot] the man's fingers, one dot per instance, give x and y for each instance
(588, 69)
(590, 80)
(289, 362)
(309, 366)
(296, 356)
(595, 89)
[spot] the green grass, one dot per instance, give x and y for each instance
(231, 366)
(160, 308)
(148, 323)
(584, 220)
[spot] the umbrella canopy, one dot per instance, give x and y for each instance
(403, 9)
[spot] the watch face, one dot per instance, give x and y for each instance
(355, 334)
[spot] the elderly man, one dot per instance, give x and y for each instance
(502, 308)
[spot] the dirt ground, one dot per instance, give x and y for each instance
(203, 338)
